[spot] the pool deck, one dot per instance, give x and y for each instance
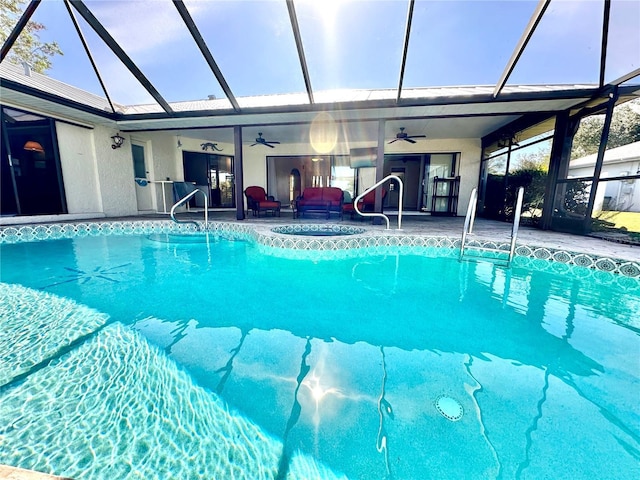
(413, 223)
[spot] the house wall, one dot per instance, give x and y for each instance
(101, 179)
(623, 195)
(79, 169)
(115, 173)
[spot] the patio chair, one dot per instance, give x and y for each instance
(258, 201)
(366, 204)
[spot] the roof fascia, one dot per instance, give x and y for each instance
(120, 53)
(522, 44)
(48, 115)
(356, 105)
(405, 48)
(17, 30)
(124, 127)
(386, 103)
(18, 87)
(206, 53)
(298, 38)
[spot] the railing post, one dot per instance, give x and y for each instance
(187, 198)
(376, 214)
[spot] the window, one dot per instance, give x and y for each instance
(517, 159)
(139, 170)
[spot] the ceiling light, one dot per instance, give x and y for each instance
(33, 146)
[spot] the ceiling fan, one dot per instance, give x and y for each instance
(402, 135)
(263, 141)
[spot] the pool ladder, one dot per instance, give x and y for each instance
(377, 214)
(184, 200)
(468, 230)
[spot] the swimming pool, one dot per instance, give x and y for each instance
(312, 366)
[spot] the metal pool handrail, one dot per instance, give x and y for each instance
(184, 200)
(471, 216)
(376, 214)
(468, 219)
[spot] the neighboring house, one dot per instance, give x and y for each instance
(617, 194)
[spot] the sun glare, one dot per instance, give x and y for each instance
(326, 10)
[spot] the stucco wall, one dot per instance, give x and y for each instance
(115, 174)
(79, 173)
(99, 178)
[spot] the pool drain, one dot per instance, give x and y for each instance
(449, 408)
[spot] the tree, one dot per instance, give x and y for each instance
(28, 47)
(625, 129)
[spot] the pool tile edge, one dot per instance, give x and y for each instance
(271, 242)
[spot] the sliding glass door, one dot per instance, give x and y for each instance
(30, 166)
(213, 174)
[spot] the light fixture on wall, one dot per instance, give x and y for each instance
(33, 146)
(179, 143)
(117, 141)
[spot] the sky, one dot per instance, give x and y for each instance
(348, 45)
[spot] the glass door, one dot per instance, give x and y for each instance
(441, 165)
(213, 174)
(31, 173)
(221, 181)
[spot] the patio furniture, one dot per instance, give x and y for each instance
(366, 204)
(323, 200)
(258, 201)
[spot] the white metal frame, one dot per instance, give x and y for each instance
(471, 216)
(376, 214)
(186, 199)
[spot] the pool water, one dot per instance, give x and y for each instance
(400, 366)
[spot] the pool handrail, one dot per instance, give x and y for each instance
(185, 199)
(378, 214)
(471, 216)
(469, 219)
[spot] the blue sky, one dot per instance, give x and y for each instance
(348, 44)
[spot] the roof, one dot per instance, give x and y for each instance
(626, 153)
(280, 62)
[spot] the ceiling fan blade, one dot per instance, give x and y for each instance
(268, 145)
(253, 145)
(409, 140)
(394, 140)
(417, 136)
(275, 143)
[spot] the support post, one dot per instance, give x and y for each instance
(379, 170)
(237, 171)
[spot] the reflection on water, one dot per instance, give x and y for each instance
(384, 411)
(343, 360)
